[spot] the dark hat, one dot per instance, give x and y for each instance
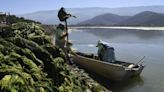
(61, 26)
(62, 8)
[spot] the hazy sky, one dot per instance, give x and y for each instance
(26, 6)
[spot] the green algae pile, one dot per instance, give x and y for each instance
(29, 62)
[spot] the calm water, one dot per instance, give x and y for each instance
(131, 46)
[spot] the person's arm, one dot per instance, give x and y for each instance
(63, 36)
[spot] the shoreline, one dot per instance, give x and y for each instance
(119, 27)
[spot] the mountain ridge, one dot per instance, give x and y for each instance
(146, 18)
(104, 19)
(50, 17)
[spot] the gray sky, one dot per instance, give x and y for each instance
(27, 6)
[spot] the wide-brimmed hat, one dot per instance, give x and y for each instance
(99, 43)
(102, 43)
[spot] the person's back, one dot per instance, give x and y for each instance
(109, 55)
(101, 51)
(105, 52)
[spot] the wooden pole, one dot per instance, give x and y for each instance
(66, 32)
(67, 48)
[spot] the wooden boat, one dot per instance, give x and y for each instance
(116, 71)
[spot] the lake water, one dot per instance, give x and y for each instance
(130, 45)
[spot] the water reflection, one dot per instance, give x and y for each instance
(116, 33)
(125, 86)
(130, 45)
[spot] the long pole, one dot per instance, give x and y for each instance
(66, 32)
(67, 43)
(140, 60)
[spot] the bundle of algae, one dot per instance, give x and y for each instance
(29, 62)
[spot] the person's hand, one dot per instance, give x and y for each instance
(66, 34)
(69, 15)
(69, 43)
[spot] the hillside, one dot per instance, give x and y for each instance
(83, 14)
(146, 18)
(30, 62)
(104, 19)
(10, 19)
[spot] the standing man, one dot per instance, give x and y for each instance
(63, 15)
(60, 35)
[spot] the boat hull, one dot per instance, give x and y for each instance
(109, 70)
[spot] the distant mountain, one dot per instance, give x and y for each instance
(50, 17)
(104, 19)
(146, 18)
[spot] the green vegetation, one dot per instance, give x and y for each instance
(10, 19)
(29, 62)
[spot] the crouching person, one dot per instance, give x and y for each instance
(105, 52)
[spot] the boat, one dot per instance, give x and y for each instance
(115, 71)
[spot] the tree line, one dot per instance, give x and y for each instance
(10, 19)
